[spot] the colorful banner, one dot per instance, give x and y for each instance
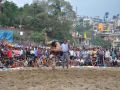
(108, 28)
(100, 27)
(8, 35)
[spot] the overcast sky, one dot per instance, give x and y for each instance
(88, 7)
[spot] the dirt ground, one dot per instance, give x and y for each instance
(71, 79)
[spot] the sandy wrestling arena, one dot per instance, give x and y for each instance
(67, 79)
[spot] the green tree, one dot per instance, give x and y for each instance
(9, 14)
(37, 37)
(55, 17)
(62, 18)
(100, 42)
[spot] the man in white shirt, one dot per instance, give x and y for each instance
(107, 54)
(107, 57)
(71, 52)
(65, 50)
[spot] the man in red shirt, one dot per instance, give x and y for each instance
(9, 62)
(9, 53)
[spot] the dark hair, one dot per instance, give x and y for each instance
(53, 44)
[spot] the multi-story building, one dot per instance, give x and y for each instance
(118, 22)
(87, 21)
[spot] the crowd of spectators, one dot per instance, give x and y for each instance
(32, 56)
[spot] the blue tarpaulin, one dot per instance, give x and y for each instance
(5, 34)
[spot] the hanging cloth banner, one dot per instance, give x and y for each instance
(85, 35)
(8, 35)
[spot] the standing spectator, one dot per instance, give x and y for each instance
(27, 53)
(101, 56)
(86, 57)
(35, 52)
(71, 52)
(113, 54)
(78, 53)
(107, 56)
(65, 50)
(21, 53)
(9, 55)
